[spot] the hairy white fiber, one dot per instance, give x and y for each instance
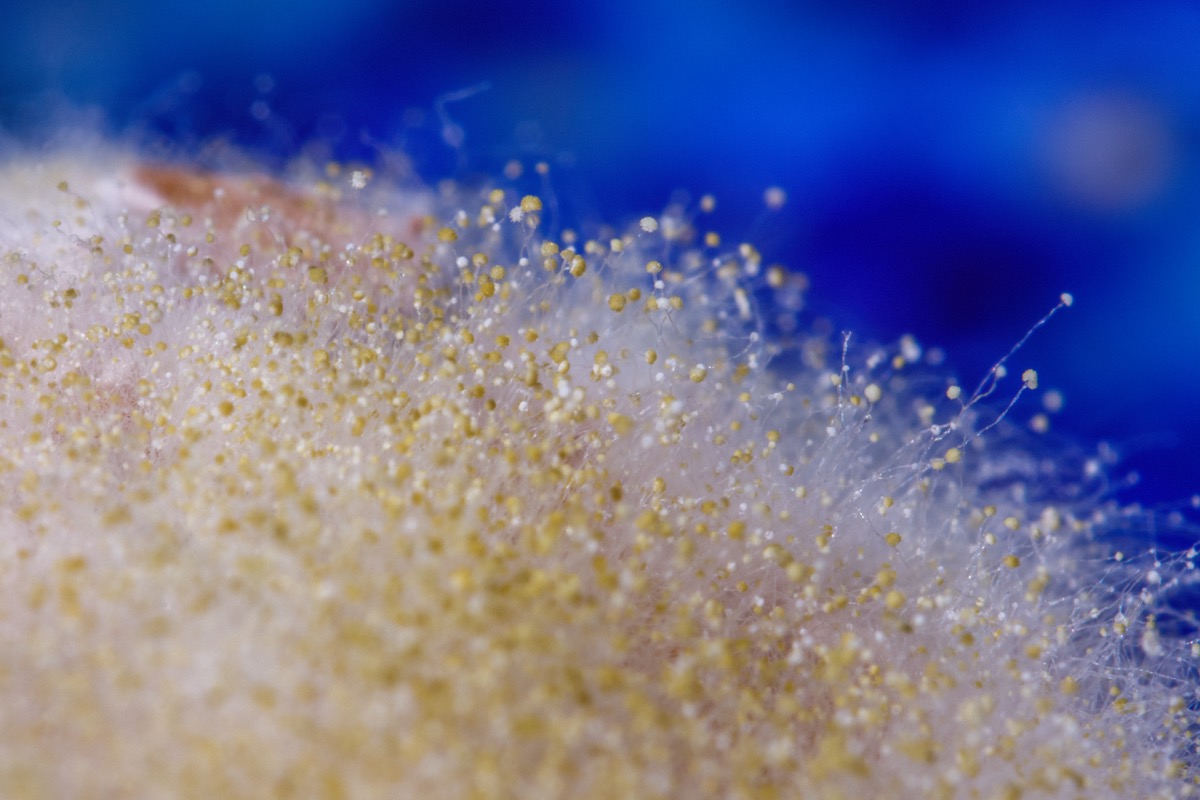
(328, 487)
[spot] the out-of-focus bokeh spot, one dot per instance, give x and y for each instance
(949, 169)
(1110, 153)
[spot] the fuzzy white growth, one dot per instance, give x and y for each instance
(409, 503)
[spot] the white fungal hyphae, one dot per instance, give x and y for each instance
(324, 487)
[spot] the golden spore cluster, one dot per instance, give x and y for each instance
(328, 488)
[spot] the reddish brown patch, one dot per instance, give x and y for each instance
(312, 208)
(198, 190)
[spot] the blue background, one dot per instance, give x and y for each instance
(950, 167)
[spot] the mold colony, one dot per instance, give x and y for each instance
(329, 488)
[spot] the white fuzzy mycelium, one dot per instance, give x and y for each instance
(328, 488)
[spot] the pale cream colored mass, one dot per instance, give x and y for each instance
(321, 487)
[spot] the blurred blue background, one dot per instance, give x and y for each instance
(950, 167)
